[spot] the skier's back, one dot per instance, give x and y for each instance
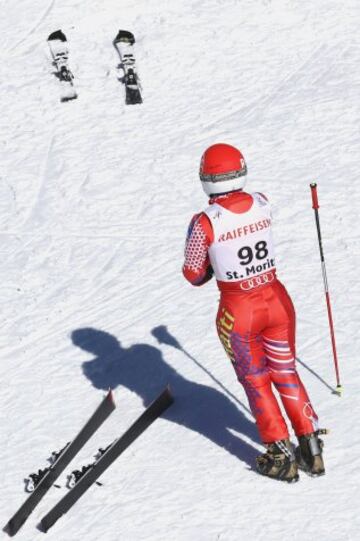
(256, 319)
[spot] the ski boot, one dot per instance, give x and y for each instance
(309, 453)
(278, 462)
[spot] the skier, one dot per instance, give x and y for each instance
(232, 239)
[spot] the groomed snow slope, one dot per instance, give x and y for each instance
(95, 199)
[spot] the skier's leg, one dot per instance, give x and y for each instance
(238, 320)
(279, 346)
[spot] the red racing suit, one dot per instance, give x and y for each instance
(256, 317)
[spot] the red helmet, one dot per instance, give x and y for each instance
(222, 169)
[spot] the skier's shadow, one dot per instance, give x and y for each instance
(142, 369)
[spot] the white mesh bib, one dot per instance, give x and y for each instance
(243, 246)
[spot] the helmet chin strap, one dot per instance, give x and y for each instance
(224, 193)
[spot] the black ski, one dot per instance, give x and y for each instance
(55, 470)
(152, 412)
(124, 44)
(60, 55)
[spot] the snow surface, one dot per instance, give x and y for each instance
(95, 199)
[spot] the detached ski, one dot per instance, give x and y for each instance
(55, 470)
(124, 44)
(152, 412)
(60, 54)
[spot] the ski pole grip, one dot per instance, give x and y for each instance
(315, 202)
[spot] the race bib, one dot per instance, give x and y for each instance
(243, 246)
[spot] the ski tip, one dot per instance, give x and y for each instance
(125, 36)
(169, 394)
(58, 34)
(110, 397)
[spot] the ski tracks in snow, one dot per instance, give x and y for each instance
(34, 27)
(34, 207)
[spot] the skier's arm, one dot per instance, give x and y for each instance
(197, 268)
